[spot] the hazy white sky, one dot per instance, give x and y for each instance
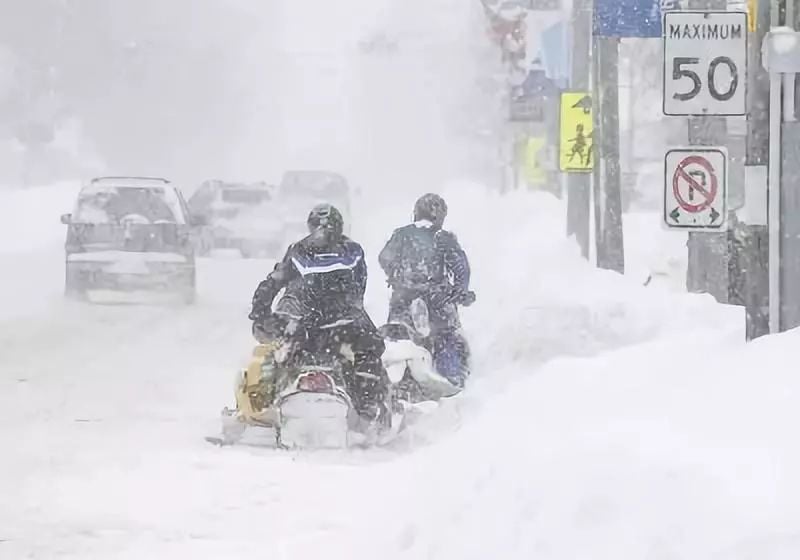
(383, 90)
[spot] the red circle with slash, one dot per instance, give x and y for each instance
(683, 180)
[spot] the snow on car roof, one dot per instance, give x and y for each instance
(132, 182)
(233, 185)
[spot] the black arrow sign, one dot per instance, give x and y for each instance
(585, 103)
(675, 214)
(714, 215)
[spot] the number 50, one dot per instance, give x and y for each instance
(678, 72)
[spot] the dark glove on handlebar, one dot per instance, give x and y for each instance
(466, 298)
(455, 296)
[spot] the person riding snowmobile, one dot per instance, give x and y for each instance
(423, 261)
(325, 277)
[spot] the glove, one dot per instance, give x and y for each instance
(257, 313)
(454, 295)
(466, 298)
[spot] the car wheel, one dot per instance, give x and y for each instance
(189, 291)
(73, 287)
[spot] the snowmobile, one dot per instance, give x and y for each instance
(294, 387)
(408, 360)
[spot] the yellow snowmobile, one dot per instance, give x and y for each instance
(256, 387)
(303, 404)
(295, 388)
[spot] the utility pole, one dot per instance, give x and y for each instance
(579, 184)
(754, 259)
(782, 57)
(708, 253)
(790, 196)
(607, 179)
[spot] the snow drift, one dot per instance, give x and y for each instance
(679, 449)
(537, 298)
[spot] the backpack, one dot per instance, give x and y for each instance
(419, 263)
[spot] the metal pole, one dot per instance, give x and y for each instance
(708, 253)
(774, 202)
(579, 184)
(607, 184)
(790, 198)
(631, 111)
(789, 79)
(754, 260)
(773, 186)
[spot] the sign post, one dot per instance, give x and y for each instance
(613, 20)
(705, 78)
(579, 185)
(696, 189)
(705, 63)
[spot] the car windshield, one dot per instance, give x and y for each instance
(115, 205)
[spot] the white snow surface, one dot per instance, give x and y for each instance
(604, 420)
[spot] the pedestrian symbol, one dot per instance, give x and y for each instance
(576, 135)
(581, 147)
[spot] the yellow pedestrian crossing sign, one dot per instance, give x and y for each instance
(576, 152)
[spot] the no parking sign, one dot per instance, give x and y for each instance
(696, 188)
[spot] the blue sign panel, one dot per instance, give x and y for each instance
(556, 52)
(627, 18)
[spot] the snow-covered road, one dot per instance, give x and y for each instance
(103, 409)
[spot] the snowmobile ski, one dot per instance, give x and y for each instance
(219, 441)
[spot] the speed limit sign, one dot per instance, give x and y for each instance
(705, 63)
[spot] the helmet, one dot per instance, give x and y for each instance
(431, 207)
(325, 218)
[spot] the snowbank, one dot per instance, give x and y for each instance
(32, 248)
(653, 251)
(31, 216)
(537, 297)
(680, 449)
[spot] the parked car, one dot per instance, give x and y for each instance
(300, 190)
(130, 234)
(238, 216)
